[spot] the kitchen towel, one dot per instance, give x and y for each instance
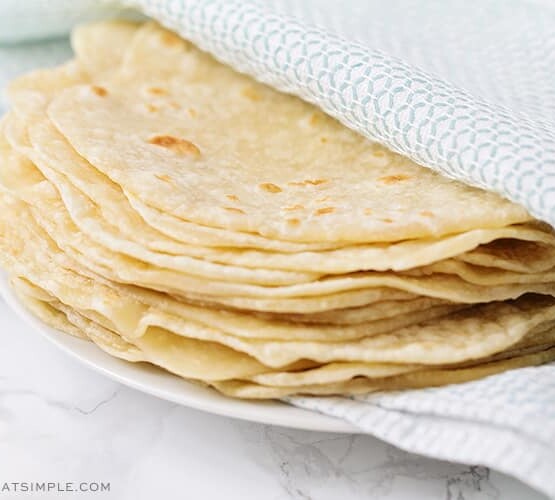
(464, 87)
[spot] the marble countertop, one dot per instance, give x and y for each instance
(61, 422)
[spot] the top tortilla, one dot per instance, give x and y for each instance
(197, 140)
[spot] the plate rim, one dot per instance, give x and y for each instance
(193, 396)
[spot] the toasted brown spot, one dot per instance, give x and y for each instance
(192, 112)
(152, 108)
(251, 93)
(232, 197)
(234, 210)
(316, 182)
(169, 39)
(293, 222)
(308, 182)
(176, 144)
(293, 207)
(157, 90)
(427, 213)
(387, 220)
(392, 179)
(368, 211)
(270, 188)
(324, 210)
(323, 140)
(174, 105)
(100, 91)
(323, 198)
(379, 153)
(315, 118)
(164, 177)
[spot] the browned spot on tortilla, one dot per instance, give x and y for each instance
(234, 210)
(232, 197)
(152, 108)
(323, 140)
(308, 182)
(324, 211)
(387, 220)
(164, 177)
(368, 211)
(192, 112)
(251, 93)
(157, 90)
(315, 118)
(100, 91)
(293, 222)
(379, 153)
(180, 146)
(393, 179)
(293, 207)
(323, 198)
(169, 39)
(270, 188)
(427, 213)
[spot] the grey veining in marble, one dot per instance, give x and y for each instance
(61, 422)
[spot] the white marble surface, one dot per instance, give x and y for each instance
(61, 422)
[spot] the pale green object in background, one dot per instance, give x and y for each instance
(40, 19)
(34, 33)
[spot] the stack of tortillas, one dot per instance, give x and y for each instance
(176, 212)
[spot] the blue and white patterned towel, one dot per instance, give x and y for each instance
(466, 87)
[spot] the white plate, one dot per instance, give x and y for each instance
(170, 387)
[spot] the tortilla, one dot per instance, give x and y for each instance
(192, 168)
(174, 212)
(109, 204)
(472, 333)
(430, 378)
(119, 268)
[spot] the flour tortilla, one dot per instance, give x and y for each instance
(521, 257)
(189, 164)
(327, 373)
(123, 270)
(128, 229)
(29, 96)
(31, 256)
(480, 275)
(118, 268)
(470, 334)
(52, 212)
(100, 47)
(48, 314)
(61, 317)
(243, 258)
(420, 379)
(86, 215)
(187, 358)
(71, 233)
(354, 315)
(539, 339)
(475, 332)
(325, 379)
